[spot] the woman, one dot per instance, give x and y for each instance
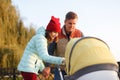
(36, 51)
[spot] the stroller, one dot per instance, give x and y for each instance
(119, 69)
(90, 58)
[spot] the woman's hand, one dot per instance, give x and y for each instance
(63, 62)
(46, 72)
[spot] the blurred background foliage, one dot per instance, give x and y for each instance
(13, 35)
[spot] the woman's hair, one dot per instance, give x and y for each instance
(49, 37)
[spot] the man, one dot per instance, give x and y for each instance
(68, 31)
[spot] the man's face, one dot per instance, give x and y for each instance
(70, 24)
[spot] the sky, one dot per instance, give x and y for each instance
(97, 18)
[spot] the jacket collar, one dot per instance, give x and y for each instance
(63, 30)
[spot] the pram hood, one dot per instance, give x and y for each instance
(87, 51)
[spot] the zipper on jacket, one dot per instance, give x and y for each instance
(35, 63)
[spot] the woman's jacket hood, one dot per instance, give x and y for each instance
(41, 31)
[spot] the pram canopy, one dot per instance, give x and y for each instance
(85, 52)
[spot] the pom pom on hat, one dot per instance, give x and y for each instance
(53, 25)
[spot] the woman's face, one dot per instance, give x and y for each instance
(53, 35)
